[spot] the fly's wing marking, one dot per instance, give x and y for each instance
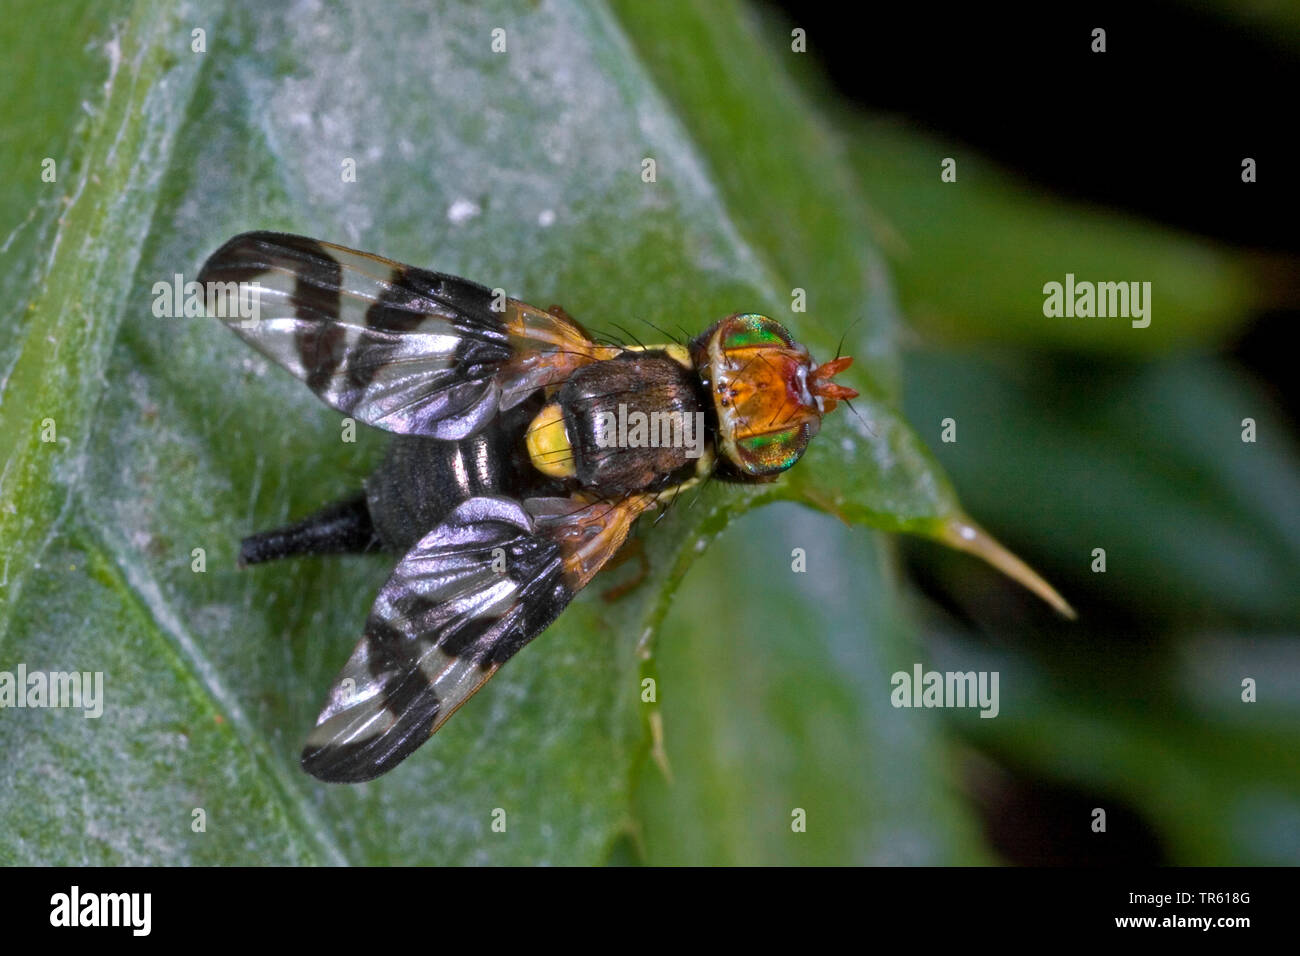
(404, 349)
(447, 619)
(548, 349)
(589, 532)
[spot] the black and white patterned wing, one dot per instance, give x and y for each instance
(401, 348)
(469, 595)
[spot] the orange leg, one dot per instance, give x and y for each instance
(633, 549)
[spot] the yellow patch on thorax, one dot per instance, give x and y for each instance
(548, 443)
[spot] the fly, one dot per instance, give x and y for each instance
(523, 453)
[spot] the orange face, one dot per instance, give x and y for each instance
(769, 394)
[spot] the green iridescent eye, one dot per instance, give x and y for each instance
(759, 442)
(772, 452)
(750, 331)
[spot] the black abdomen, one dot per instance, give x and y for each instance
(422, 479)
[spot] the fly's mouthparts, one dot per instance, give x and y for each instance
(820, 384)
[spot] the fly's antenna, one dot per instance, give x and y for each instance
(870, 430)
(840, 348)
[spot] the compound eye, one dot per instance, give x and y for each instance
(752, 330)
(773, 452)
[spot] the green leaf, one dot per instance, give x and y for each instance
(782, 745)
(521, 169)
(56, 352)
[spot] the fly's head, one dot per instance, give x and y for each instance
(768, 393)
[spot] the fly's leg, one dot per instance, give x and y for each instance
(633, 549)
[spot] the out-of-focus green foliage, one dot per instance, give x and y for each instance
(971, 257)
(1142, 699)
(1147, 461)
